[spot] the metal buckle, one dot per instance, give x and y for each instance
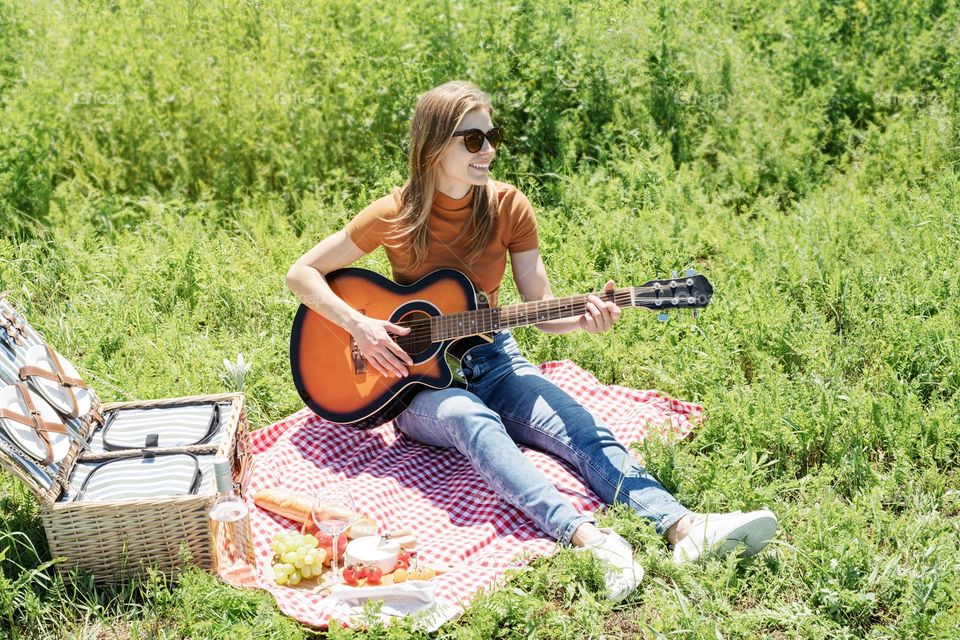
(13, 327)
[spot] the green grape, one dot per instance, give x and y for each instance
(298, 557)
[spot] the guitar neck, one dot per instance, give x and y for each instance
(471, 323)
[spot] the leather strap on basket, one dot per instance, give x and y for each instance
(59, 376)
(13, 326)
(34, 420)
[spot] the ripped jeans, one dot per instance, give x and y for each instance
(508, 402)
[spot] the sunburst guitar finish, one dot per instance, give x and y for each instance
(332, 376)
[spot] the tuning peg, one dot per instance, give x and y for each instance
(696, 313)
(691, 273)
(662, 316)
(673, 274)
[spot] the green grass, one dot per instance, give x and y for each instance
(161, 166)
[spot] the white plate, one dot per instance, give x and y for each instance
(409, 592)
(26, 437)
(55, 394)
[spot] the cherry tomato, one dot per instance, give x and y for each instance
(361, 571)
(350, 576)
(404, 556)
(401, 564)
(374, 574)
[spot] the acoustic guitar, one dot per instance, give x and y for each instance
(447, 317)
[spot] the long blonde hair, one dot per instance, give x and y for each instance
(437, 115)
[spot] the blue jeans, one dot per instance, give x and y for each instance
(508, 402)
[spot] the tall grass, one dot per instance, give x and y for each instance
(225, 101)
(162, 164)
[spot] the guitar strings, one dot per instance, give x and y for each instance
(422, 329)
(620, 296)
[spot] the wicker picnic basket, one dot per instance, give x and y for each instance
(117, 539)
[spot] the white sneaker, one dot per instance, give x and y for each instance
(717, 534)
(621, 573)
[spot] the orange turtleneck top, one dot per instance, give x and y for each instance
(516, 231)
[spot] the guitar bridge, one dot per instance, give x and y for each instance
(359, 362)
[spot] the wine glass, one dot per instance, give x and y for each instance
(333, 513)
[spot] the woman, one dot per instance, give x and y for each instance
(451, 214)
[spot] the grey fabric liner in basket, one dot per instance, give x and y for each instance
(160, 476)
(170, 426)
(82, 469)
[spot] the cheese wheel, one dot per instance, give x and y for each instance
(372, 550)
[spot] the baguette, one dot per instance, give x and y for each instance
(298, 507)
(288, 504)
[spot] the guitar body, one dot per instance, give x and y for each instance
(333, 378)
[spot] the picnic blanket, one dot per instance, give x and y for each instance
(404, 484)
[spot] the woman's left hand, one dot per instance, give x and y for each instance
(600, 315)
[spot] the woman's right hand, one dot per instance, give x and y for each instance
(378, 346)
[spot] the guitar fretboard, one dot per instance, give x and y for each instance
(471, 323)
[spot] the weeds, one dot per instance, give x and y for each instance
(162, 165)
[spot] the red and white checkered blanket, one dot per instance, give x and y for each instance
(435, 492)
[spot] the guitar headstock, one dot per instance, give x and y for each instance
(690, 291)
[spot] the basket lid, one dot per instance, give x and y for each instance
(55, 390)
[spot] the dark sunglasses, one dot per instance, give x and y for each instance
(473, 138)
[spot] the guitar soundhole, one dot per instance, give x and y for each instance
(418, 342)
